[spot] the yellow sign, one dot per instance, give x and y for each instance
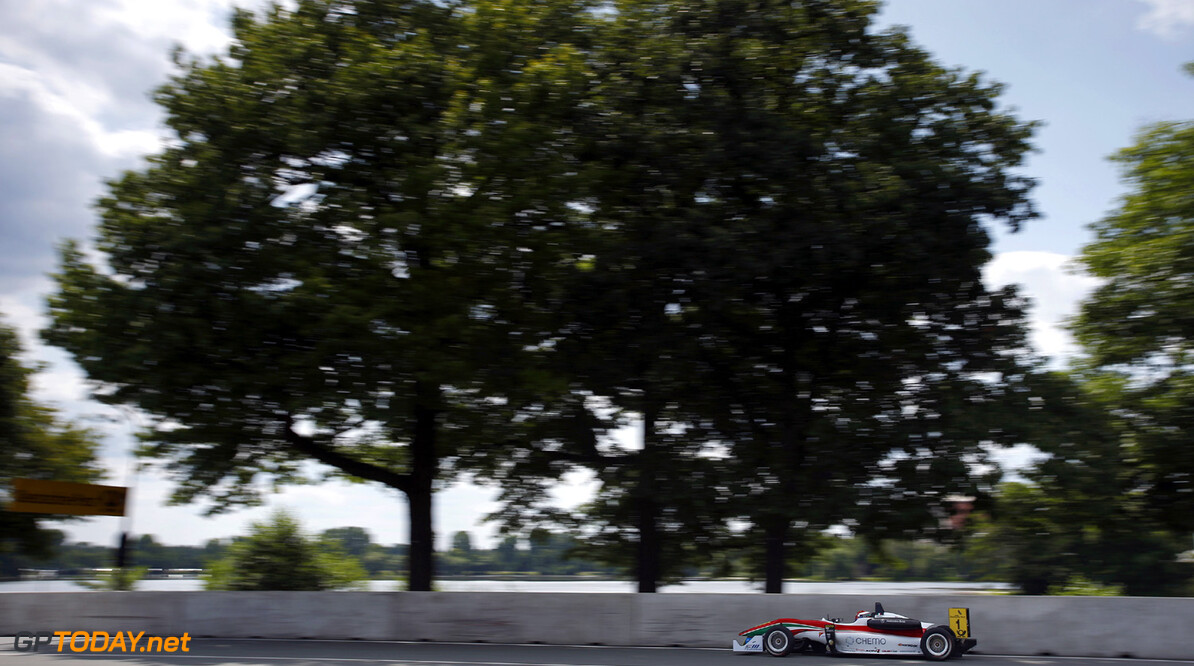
(959, 621)
(79, 499)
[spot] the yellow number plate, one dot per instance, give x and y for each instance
(959, 621)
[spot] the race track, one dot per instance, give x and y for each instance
(247, 652)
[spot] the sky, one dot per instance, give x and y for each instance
(76, 80)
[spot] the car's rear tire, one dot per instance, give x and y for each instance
(937, 643)
(778, 641)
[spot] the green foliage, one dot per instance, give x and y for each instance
(1137, 328)
(856, 558)
(410, 238)
(348, 251)
(123, 579)
(378, 561)
(276, 555)
(462, 543)
(1078, 586)
(354, 541)
(990, 553)
(1040, 553)
(147, 551)
(385, 562)
(545, 553)
(787, 288)
(1051, 538)
(35, 443)
(1137, 333)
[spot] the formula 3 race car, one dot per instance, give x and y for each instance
(877, 632)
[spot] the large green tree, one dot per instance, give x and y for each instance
(630, 334)
(852, 176)
(344, 253)
(35, 443)
(791, 285)
(1137, 328)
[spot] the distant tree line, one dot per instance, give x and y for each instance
(71, 559)
(987, 552)
(544, 553)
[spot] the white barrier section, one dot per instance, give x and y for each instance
(1154, 628)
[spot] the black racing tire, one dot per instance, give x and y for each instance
(778, 641)
(937, 643)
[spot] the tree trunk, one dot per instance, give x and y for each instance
(789, 451)
(421, 558)
(648, 546)
(424, 465)
(775, 534)
(648, 529)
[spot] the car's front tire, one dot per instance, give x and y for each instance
(937, 643)
(778, 642)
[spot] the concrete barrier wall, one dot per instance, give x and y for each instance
(1157, 628)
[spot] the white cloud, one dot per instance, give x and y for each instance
(576, 487)
(59, 387)
(59, 383)
(1016, 458)
(20, 314)
(1167, 18)
(200, 25)
(1055, 288)
(96, 63)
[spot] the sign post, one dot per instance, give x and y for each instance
(76, 499)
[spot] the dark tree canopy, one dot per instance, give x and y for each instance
(866, 351)
(344, 253)
(1082, 513)
(787, 289)
(409, 238)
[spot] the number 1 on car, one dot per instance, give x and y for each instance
(959, 621)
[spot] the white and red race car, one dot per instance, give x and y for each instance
(877, 632)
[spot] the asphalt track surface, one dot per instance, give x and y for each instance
(259, 652)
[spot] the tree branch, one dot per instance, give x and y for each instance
(329, 456)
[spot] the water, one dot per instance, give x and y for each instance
(725, 587)
(586, 586)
